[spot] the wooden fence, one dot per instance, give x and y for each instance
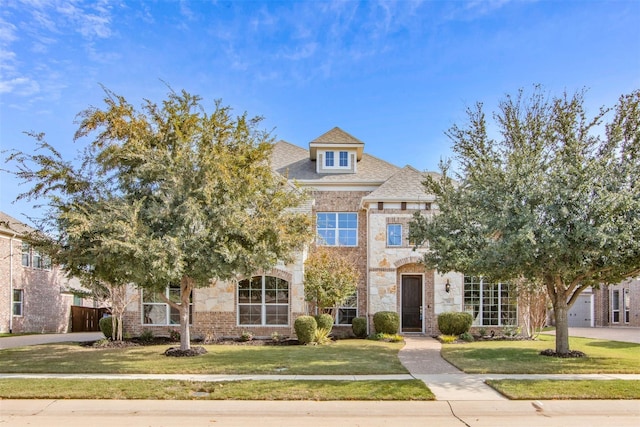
(85, 319)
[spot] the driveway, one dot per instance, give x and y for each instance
(22, 340)
(609, 333)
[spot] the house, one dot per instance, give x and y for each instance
(34, 294)
(362, 206)
(615, 305)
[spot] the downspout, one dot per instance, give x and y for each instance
(11, 283)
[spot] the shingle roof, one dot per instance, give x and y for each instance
(293, 162)
(337, 136)
(10, 225)
(405, 185)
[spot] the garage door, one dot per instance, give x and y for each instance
(580, 314)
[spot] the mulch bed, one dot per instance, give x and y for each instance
(571, 354)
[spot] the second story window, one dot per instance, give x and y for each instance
(329, 159)
(394, 234)
(337, 228)
(336, 159)
(344, 159)
(26, 254)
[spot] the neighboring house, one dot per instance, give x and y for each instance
(34, 295)
(362, 207)
(608, 305)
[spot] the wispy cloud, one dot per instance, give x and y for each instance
(20, 85)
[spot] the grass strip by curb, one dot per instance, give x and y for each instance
(233, 390)
(567, 390)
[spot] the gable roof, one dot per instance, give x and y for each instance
(404, 186)
(336, 138)
(10, 225)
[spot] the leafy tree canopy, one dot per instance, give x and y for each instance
(330, 278)
(555, 198)
(169, 194)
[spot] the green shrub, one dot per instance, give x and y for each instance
(106, 326)
(146, 335)
(386, 322)
(454, 323)
(467, 337)
(321, 336)
(246, 336)
(305, 327)
(324, 321)
(359, 327)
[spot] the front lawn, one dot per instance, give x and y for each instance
(562, 389)
(522, 357)
(235, 390)
(344, 357)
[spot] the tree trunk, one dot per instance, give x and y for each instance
(561, 311)
(186, 285)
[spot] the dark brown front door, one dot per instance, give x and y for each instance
(411, 304)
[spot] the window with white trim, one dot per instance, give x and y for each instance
(347, 310)
(34, 258)
(615, 306)
(337, 228)
(490, 304)
(157, 312)
(344, 159)
(26, 254)
(263, 300)
(328, 159)
(394, 234)
(17, 303)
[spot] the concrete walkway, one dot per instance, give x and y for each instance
(421, 357)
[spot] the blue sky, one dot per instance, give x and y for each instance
(394, 74)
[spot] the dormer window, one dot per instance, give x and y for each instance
(328, 159)
(342, 159)
(336, 152)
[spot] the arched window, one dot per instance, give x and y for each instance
(263, 300)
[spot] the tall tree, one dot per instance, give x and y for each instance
(201, 200)
(555, 199)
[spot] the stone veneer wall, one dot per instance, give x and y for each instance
(215, 308)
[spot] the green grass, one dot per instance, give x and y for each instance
(522, 357)
(562, 389)
(344, 357)
(235, 390)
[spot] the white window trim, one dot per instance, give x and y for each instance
(263, 304)
(337, 229)
(479, 320)
(388, 235)
(336, 159)
(19, 303)
(345, 307)
(167, 312)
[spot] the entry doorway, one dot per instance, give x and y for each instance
(411, 308)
